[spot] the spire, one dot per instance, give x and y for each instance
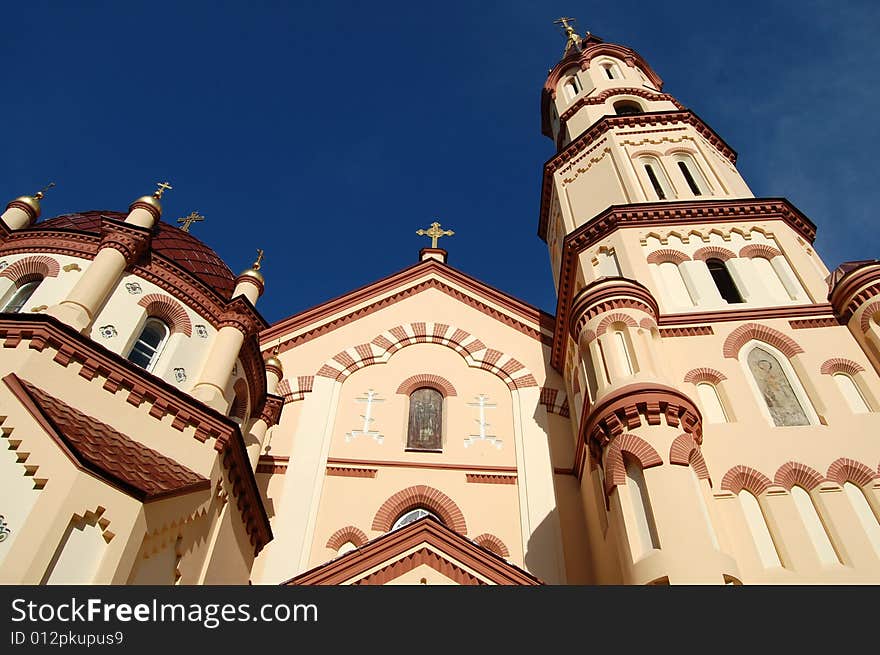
(572, 38)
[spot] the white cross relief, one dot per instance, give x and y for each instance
(483, 423)
(371, 397)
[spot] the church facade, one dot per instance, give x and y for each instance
(702, 408)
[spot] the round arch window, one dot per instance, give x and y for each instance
(412, 516)
(625, 107)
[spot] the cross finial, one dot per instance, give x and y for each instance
(163, 187)
(257, 264)
(435, 233)
(39, 194)
(194, 217)
(572, 38)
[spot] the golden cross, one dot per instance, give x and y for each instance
(39, 194)
(194, 217)
(163, 187)
(256, 265)
(435, 233)
(573, 38)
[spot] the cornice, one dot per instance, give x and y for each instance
(46, 332)
(757, 314)
(854, 289)
(271, 410)
(130, 240)
(594, 298)
(600, 99)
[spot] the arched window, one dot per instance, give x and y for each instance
(760, 532)
(866, 515)
(657, 177)
(851, 392)
(572, 87)
(710, 402)
(146, 350)
(692, 174)
(723, 281)
(623, 348)
(412, 516)
(678, 292)
(21, 296)
(625, 107)
(612, 72)
(769, 277)
(776, 388)
(815, 528)
(346, 547)
(704, 509)
(644, 537)
(425, 431)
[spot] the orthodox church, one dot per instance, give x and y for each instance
(703, 406)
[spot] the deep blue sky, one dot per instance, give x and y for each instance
(328, 132)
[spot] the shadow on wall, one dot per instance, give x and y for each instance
(541, 550)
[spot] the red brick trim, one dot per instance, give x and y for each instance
(419, 465)
(272, 464)
(759, 250)
(684, 451)
(745, 333)
(758, 314)
(28, 269)
(419, 496)
(804, 323)
(297, 390)
(609, 93)
(490, 478)
(713, 252)
(555, 401)
(493, 543)
(696, 375)
(416, 559)
(867, 314)
(240, 401)
(169, 310)
(618, 317)
(695, 331)
(346, 534)
(743, 477)
(855, 289)
(513, 373)
(793, 474)
(615, 470)
(840, 365)
(849, 470)
(604, 295)
(348, 472)
(668, 255)
(437, 382)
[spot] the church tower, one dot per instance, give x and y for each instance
(721, 403)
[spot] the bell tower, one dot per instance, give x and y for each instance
(667, 269)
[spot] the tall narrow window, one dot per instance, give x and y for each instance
(21, 296)
(851, 392)
(678, 292)
(689, 178)
(148, 347)
(815, 528)
(769, 277)
(612, 72)
(572, 87)
(655, 182)
(865, 513)
(425, 420)
(705, 510)
(620, 343)
(644, 537)
(723, 281)
(776, 389)
(713, 410)
(760, 532)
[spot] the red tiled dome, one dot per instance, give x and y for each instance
(170, 242)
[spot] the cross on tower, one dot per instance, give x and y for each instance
(194, 217)
(435, 232)
(163, 187)
(256, 265)
(571, 35)
(39, 194)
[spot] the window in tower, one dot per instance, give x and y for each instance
(21, 295)
(814, 526)
(710, 403)
(761, 536)
(622, 346)
(852, 393)
(425, 430)
(778, 387)
(146, 350)
(674, 284)
(865, 514)
(723, 281)
(689, 178)
(643, 536)
(625, 107)
(655, 182)
(572, 87)
(612, 72)
(412, 516)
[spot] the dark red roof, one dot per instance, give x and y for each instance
(172, 243)
(141, 471)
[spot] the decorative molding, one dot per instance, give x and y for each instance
(168, 310)
(840, 365)
(745, 333)
(696, 375)
(855, 289)
(31, 268)
(132, 241)
(272, 464)
(757, 314)
(684, 451)
(293, 391)
(849, 470)
(759, 250)
(437, 382)
(490, 478)
(869, 311)
(793, 474)
(805, 323)
(667, 255)
(694, 331)
(744, 477)
(615, 470)
(713, 252)
(493, 543)
(348, 472)
(618, 317)
(555, 400)
(419, 496)
(598, 297)
(419, 465)
(271, 412)
(343, 535)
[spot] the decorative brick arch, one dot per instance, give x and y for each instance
(493, 543)
(346, 534)
(437, 382)
(870, 310)
(714, 252)
(849, 470)
(475, 353)
(696, 375)
(240, 401)
(617, 317)
(615, 470)
(759, 250)
(684, 451)
(793, 474)
(667, 255)
(169, 310)
(421, 495)
(295, 389)
(588, 335)
(31, 268)
(647, 323)
(744, 477)
(745, 333)
(840, 365)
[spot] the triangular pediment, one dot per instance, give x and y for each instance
(400, 557)
(419, 278)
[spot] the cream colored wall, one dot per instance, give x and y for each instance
(51, 289)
